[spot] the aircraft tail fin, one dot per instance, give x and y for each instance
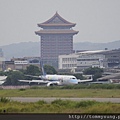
(43, 71)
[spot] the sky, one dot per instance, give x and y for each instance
(96, 20)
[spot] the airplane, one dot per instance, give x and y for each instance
(51, 80)
(2, 79)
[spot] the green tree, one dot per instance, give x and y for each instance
(92, 71)
(33, 70)
(96, 72)
(13, 78)
(49, 69)
(2, 73)
(79, 76)
(97, 75)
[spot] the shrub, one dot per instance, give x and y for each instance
(12, 110)
(41, 102)
(4, 100)
(22, 89)
(64, 103)
(85, 104)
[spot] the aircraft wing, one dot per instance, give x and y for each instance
(87, 80)
(1, 82)
(49, 83)
(33, 76)
(33, 81)
(27, 81)
(3, 78)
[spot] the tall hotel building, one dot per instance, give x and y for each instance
(56, 39)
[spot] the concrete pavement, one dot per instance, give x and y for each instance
(35, 99)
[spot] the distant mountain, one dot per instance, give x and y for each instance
(29, 49)
(23, 49)
(96, 46)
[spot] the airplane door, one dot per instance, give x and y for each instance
(61, 81)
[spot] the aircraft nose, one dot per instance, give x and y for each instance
(74, 81)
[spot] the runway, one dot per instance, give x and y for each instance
(49, 100)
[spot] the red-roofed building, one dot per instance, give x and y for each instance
(56, 39)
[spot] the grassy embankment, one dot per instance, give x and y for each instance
(58, 106)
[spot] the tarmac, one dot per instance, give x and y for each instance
(50, 99)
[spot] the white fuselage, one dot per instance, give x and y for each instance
(61, 79)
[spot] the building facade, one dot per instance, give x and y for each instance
(21, 63)
(2, 59)
(91, 60)
(113, 58)
(56, 39)
(68, 61)
(83, 60)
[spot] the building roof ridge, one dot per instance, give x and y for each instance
(56, 32)
(53, 17)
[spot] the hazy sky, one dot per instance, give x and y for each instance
(96, 20)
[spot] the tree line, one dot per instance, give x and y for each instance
(14, 76)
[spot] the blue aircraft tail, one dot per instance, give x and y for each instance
(43, 71)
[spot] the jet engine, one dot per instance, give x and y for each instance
(52, 84)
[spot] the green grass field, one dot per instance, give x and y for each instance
(80, 93)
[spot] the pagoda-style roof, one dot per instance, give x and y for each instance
(56, 20)
(40, 32)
